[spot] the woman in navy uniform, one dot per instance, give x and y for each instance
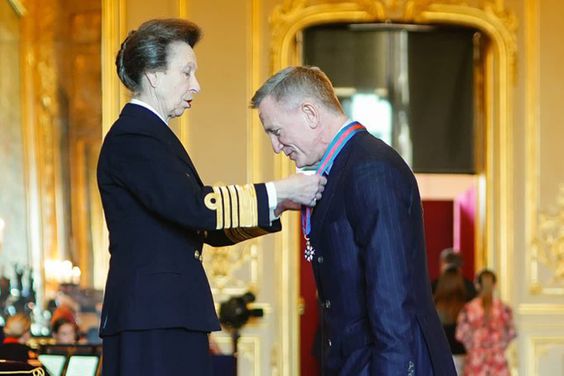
(158, 308)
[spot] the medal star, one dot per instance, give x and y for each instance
(309, 251)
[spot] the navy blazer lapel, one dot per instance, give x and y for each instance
(151, 125)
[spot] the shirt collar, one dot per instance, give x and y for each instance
(148, 107)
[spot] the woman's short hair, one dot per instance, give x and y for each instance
(146, 49)
(17, 325)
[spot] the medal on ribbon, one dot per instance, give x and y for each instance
(335, 147)
(309, 252)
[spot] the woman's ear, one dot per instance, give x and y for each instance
(152, 78)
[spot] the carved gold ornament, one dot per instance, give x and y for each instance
(548, 251)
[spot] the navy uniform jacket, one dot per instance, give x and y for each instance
(371, 270)
(159, 215)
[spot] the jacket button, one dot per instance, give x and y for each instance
(327, 304)
(320, 260)
(329, 343)
(197, 254)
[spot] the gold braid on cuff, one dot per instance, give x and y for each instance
(235, 206)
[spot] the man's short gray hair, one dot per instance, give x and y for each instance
(294, 84)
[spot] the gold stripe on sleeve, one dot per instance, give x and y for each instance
(226, 207)
(235, 206)
(239, 234)
(243, 206)
(235, 209)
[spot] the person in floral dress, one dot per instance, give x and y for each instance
(485, 327)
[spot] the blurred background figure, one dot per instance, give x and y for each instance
(63, 312)
(17, 333)
(65, 331)
(452, 259)
(450, 296)
(485, 327)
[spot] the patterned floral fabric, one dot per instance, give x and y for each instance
(485, 337)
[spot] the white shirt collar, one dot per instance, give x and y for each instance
(148, 107)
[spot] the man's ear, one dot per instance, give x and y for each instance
(311, 114)
(152, 78)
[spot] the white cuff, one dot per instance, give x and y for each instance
(272, 199)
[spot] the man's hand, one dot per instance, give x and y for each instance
(300, 189)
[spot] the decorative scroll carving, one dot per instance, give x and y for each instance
(233, 270)
(548, 251)
(489, 16)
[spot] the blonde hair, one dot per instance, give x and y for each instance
(17, 325)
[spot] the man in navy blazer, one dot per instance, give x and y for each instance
(158, 308)
(365, 236)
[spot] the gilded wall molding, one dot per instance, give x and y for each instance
(184, 121)
(113, 32)
(489, 16)
(113, 98)
(31, 155)
(18, 7)
(544, 240)
(538, 347)
(499, 26)
(45, 118)
(541, 309)
(234, 270)
(547, 251)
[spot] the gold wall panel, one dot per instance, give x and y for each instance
(14, 222)
(114, 97)
(545, 234)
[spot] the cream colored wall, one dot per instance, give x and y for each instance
(538, 293)
(551, 100)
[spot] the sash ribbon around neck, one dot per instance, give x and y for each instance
(335, 147)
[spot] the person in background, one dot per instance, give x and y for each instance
(65, 331)
(450, 297)
(17, 333)
(485, 327)
(451, 258)
(158, 307)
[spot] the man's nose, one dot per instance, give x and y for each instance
(276, 145)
